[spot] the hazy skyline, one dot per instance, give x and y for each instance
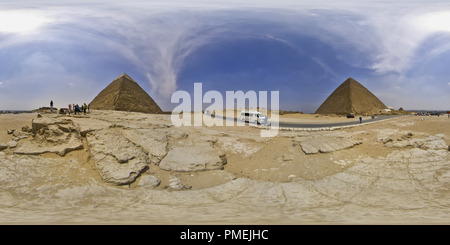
(68, 52)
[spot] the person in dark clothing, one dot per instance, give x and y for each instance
(360, 119)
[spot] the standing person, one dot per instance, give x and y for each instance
(360, 119)
(70, 107)
(84, 108)
(51, 106)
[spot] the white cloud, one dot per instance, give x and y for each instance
(157, 37)
(14, 21)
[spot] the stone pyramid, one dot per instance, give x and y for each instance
(351, 98)
(124, 94)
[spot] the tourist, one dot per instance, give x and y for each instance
(84, 108)
(360, 119)
(51, 106)
(70, 107)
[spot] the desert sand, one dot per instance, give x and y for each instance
(111, 167)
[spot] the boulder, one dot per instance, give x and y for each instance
(45, 122)
(12, 144)
(149, 181)
(175, 184)
(193, 158)
(3, 147)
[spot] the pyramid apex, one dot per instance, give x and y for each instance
(124, 75)
(350, 79)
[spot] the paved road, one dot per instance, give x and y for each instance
(352, 121)
(328, 125)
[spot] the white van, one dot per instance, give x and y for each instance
(253, 117)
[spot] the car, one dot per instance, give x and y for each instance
(350, 116)
(253, 117)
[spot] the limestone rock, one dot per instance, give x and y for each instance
(149, 181)
(325, 144)
(45, 122)
(153, 142)
(192, 158)
(174, 183)
(3, 147)
(53, 135)
(402, 140)
(237, 146)
(12, 144)
(26, 129)
(117, 159)
(86, 125)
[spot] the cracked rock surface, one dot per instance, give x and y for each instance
(144, 171)
(118, 159)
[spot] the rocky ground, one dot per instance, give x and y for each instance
(130, 168)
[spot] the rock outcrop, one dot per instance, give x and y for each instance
(118, 160)
(51, 135)
(325, 144)
(153, 142)
(192, 158)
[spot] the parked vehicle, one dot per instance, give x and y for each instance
(253, 117)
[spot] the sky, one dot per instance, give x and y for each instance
(68, 51)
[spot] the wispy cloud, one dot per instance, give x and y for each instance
(158, 37)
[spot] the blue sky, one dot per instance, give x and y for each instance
(68, 52)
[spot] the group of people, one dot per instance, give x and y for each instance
(78, 109)
(73, 107)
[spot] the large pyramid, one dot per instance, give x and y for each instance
(351, 97)
(124, 94)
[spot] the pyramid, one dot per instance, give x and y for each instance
(351, 98)
(124, 94)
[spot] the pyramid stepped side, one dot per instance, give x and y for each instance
(125, 94)
(351, 97)
(364, 101)
(133, 97)
(107, 98)
(338, 102)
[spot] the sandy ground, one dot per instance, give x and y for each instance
(265, 180)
